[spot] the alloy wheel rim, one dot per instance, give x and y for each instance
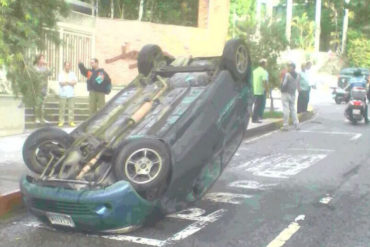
(143, 166)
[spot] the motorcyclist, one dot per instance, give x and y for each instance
(357, 81)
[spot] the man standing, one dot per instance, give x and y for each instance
(259, 84)
(41, 67)
(67, 82)
(288, 88)
(304, 91)
(98, 84)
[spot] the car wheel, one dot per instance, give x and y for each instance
(145, 164)
(236, 59)
(42, 144)
(150, 57)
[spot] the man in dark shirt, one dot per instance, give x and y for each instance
(98, 84)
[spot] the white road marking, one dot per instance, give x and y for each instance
(250, 184)
(226, 197)
(38, 224)
(193, 214)
(287, 233)
(195, 227)
(356, 137)
(280, 165)
(260, 137)
(312, 149)
(136, 240)
(326, 200)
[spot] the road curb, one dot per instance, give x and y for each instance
(10, 201)
(276, 125)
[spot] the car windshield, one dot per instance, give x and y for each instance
(350, 71)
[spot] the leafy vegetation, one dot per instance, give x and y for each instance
(176, 12)
(358, 51)
(268, 45)
(26, 24)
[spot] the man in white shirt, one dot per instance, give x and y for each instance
(67, 81)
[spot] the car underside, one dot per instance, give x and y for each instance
(160, 143)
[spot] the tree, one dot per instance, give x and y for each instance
(25, 25)
(305, 29)
(270, 43)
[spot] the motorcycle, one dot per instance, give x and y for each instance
(357, 107)
(340, 95)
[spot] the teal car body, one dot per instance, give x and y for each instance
(123, 168)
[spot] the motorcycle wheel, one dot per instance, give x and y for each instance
(337, 100)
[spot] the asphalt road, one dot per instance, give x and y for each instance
(293, 189)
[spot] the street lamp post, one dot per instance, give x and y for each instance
(345, 27)
(317, 25)
(288, 25)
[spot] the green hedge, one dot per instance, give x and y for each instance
(358, 52)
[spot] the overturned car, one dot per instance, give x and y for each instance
(156, 147)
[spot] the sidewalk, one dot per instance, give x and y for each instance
(12, 166)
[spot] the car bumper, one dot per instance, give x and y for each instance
(117, 208)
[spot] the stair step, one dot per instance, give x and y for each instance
(33, 125)
(29, 112)
(76, 100)
(56, 118)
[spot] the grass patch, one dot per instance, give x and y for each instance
(273, 114)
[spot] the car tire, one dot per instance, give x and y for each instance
(35, 149)
(150, 56)
(236, 59)
(145, 164)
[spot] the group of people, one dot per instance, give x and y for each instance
(98, 85)
(291, 81)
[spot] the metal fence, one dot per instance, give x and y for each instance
(75, 46)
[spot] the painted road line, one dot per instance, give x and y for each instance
(226, 197)
(281, 165)
(356, 137)
(250, 184)
(313, 149)
(195, 227)
(260, 137)
(326, 200)
(287, 233)
(136, 240)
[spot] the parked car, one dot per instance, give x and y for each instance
(156, 147)
(347, 73)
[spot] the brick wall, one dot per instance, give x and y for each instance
(208, 40)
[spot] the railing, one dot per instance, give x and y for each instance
(75, 46)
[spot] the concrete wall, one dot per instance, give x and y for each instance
(207, 40)
(12, 121)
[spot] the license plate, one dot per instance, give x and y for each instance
(60, 219)
(356, 111)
